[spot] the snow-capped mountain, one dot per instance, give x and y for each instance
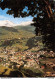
(11, 24)
(25, 23)
(7, 23)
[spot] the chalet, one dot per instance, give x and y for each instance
(0, 59)
(50, 64)
(42, 67)
(25, 65)
(18, 66)
(50, 74)
(30, 63)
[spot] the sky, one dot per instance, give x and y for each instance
(4, 16)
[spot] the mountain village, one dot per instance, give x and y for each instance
(39, 60)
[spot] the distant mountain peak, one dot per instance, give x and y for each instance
(25, 23)
(7, 23)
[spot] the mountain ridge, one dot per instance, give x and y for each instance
(8, 23)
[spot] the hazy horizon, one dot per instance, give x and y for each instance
(4, 16)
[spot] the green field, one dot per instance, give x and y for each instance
(20, 37)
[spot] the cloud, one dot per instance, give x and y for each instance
(16, 20)
(10, 18)
(25, 23)
(2, 17)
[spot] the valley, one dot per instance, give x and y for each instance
(22, 53)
